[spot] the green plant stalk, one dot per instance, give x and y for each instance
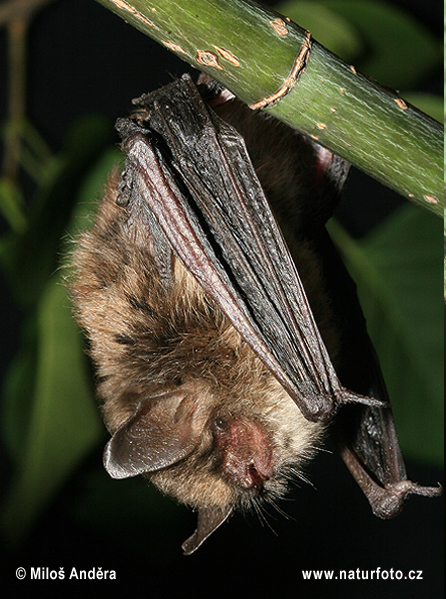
(252, 50)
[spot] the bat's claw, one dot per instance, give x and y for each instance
(390, 501)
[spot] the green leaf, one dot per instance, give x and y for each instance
(399, 276)
(326, 26)
(399, 51)
(64, 422)
(18, 393)
(12, 205)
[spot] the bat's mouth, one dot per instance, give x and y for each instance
(255, 479)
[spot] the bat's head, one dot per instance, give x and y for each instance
(226, 437)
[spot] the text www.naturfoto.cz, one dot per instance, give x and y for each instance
(359, 574)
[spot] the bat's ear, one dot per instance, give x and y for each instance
(161, 431)
(209, 519)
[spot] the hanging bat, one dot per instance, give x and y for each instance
(228, 339)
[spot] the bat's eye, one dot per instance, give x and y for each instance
(220, 424)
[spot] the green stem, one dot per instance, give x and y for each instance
(252, 50)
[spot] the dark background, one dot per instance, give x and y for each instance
(83, 59)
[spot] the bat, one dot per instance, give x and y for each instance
(226, 333)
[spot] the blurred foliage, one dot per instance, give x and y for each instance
(397, 269)
(49, 419)
(50, 422)
(382, 41)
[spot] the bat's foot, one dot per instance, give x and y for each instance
(389, 501)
